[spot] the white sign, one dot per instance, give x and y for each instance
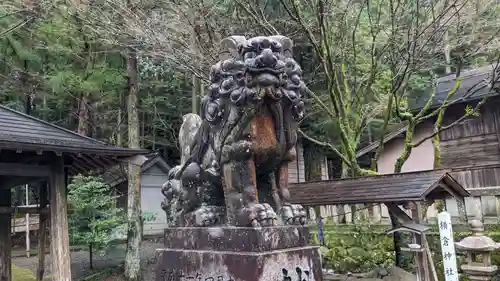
(447, 247)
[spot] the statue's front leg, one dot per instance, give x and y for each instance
(291, 214)
(240, 188)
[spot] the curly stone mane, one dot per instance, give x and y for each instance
(235, 153)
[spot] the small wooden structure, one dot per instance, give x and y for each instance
(393, 190)
(420, 247)
(32, 150)
(154, 173)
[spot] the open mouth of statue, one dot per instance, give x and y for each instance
(269, 70)
(265, 76)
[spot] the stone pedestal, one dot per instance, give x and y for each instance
(281, 253)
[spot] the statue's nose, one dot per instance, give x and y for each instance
(267, 58)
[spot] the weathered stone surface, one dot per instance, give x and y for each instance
(177, 265)
(245, 239)
(238, 254)
(235, 154)
(398, 274)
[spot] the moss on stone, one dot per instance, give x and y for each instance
(22, 274)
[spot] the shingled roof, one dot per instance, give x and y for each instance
(22, 132)
(392, 188)
(475, 85)
(19, 130)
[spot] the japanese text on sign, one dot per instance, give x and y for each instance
(447, 247)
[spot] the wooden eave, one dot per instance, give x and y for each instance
(24, 133)
(392, 188)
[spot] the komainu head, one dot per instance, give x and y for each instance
(258, 69)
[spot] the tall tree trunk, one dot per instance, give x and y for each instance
(312, 165)
(134, 233)
(197, 85)
(446, 50)
(83, 116)
(398, 168)
(119, 134)
(196, 93)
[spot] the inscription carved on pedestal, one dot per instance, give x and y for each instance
(298, 274)
(302, 275)
(178, 275)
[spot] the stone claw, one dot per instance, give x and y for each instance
(207, 215)
(259, 215)
(171, 189)
(293, 214)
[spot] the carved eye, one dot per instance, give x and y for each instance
(256, 45)
(276, 47)
(249, 55)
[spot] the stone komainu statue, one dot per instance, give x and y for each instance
(235, 154)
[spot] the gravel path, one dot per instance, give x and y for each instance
(80, 260)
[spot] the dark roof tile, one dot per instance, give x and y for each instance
(474, 85)
(19, 130)
(414, 186)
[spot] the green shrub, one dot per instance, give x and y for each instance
(362, 247)
(358, 250)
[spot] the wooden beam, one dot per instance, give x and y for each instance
(17, 181)
(398, 212)
(24, 170)
(455, 195)
(42, 233)
(23, 210)
(59, 241)
(5, 238)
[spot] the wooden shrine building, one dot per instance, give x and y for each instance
(401, 193)
(32, 150)
(397, 189)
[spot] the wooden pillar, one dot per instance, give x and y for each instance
(42, 232)
(423, 260)
(5, 238)
(59, 237)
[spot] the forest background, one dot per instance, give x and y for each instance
(126, 71)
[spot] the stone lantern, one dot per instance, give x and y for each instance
(478, 249)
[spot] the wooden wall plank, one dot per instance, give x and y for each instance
(472, 126)
(478, 177)
(473, 208)
(292, 172)
(470, 151)
(452, 208)
(488, 209)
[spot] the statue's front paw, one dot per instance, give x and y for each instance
(207, 215)
(293, 214)
(171, 189)
(257, 215)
